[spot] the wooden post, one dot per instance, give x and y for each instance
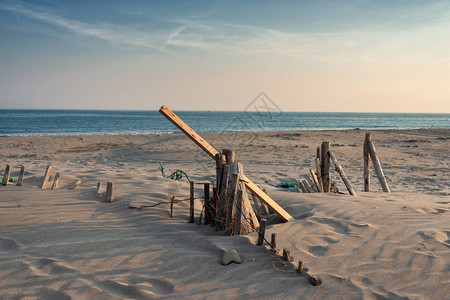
(191, 210)
(6, 175)
(366, 156)
(21, 176)
(56, 181)
(229, 155)
(196, 138)
(77, 183)
(287, 255)
(300, 266)
(208, 208)
(378, 169)
(311, 183)
(109, 192)
(315, 180)
(341, 172)
(46, 177)
(232, 194)
(221, 206)
(302, 186)
(99, 186)
(319, 174)
(307, 186)
(249, 221)
(273, 241)
(318, 155)
(237, 219)
(219, 171)
(325, 167)
(172, 200)
(262, 231)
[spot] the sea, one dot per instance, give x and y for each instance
(97, 122)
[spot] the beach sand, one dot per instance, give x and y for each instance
(62, 244)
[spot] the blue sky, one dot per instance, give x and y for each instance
(218, 55)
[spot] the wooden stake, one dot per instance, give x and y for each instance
(172, 200)
(325, 167)
(273, 241)
(109, 192)
(319, 174)
(366, 162)
(208, 208)
(56, 181)
(232, 195)
(311, 183)
(307, 186)
(287, 255)
(21, 176)
(221, 207)
(229, 155)
(302, 187)
(237, 219)
(196, 138)
(46, 177)
(6, 175)
(341, 172)
(262, 231)
(219, 172)
(300, 266)
(77, 183)
(99, 186)
(318, 155)
(191, 210)
(378, 169)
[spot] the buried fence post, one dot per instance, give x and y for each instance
(56, 181)
(262, 231)
(21, 175)
(46, 177)
(273, 241)
(208, 209)
(366, 162)
(231, 198)
(6, 175)
(191, 210)
(77, 183)
(109, 192)
(99, 186)
(221, 204)
(287, 255)
(378, 169)
(325, 167)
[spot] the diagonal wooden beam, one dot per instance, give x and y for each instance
(196, 138)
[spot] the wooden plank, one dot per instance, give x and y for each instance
(232, 193)
(238, 206)
(192, 195)
(209, 215)
(319, 174)
(342, 173)
(21, 176)
(221, 206)
(56, 181)
(325, 167)
(377, 165)
(6, 175)
(196, 138)
(109, 192)
(311, 183)
(249, 221)
(366, 156)
(46, 177)
(77, 183)
(307, 186)
(99, 187)
(302, 187)
(315, 180)
(262, 232)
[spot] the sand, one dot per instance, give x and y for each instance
(62, 244)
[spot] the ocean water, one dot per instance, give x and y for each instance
(71, 122)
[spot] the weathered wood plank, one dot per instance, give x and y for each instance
(6, 175)
(302, 187)
(56, 181)
(221, 206)
(377, 165)
(191, 203)
(77, 183)
(311, 183)
(366, 156)
(262, 232)
(238, 206)
(319, 174)
(46, 177)
(109, 192)
(205, 146)
(208, 207)
(325, 167)
(99, 187)
(21, 176)
(315, 180)
(342, 173)
(232, 194)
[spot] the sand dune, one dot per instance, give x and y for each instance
(62, 244)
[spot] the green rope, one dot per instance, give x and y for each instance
(177, 175)
(10, 180)
(283, 184)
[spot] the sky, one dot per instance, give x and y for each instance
(318, 55)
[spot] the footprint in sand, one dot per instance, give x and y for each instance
(318, 250)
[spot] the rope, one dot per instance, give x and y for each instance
(177, 175)
(164, 202)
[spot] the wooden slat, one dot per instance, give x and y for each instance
(109, 192)
(77, 183)
(341, 172)
(196, 138)
(21, 176)
(325, 167)
(315, 181)
(46, 177)
(366, 162)
(319, 174)
(56, 181)
(378, 169)
(221, 205)
(6, 175)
